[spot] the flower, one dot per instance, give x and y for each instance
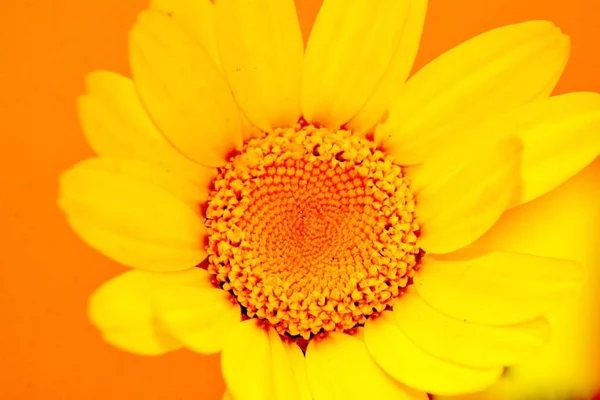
(314, 216)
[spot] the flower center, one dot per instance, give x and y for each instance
(312, 231)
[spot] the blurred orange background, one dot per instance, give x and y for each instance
(48, 349)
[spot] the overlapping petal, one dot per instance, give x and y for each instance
(184, 91)
(256, 364)
(491, 73)
(199, 317)
(123, 309)
(496, 288)
(116, 125)
(261, 51)
(406, 362)
(340, 367)
(461, 196)
(358, 54)
(135, 213)
(465, 343)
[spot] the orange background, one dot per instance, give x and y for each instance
(48, 350)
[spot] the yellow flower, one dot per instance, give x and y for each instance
(314, 215)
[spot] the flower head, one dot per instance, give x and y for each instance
(314, 215)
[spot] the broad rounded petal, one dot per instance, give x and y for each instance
(404, 361)
(491, 73)
(340, 367)
(132, 220)
(396, 73)
(464, 199)
(122, 309)
(261, 51)
(496, 288)
(197, 317)
(352, 46)
(183, 90)
(194, 17)
(116, 125)
(161, 177)
(256, 364)
(465, 343)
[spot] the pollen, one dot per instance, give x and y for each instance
(312, 230)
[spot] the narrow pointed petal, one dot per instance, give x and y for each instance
(352, 47)
(462, 200)
(197, 317)
(397, 71)
(122, 309)
(404, 361)
(496, 288)
(489, 74)
(464, 343)
(183, 90)
(261, 51)
(133, 216)
(340, 367)
(256, 364)
(116, 125)
(196, 18)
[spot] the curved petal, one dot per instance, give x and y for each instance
(196, 18)
(457, 202)
(404, 361)
(261, 50)
(351, 48)
(491, 73)
(122, 309)
(464, 343)
(560, 138)
(183, 90)
(256, 364)
(116, 125)
(496, 288)
(340, 367)
(197, 317)
(397, 71)
(129, 217)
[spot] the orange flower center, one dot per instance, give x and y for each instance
(312, 231)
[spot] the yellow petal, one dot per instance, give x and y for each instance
(197, 317)
(464, 199)
(256, 365)
(196, 18)
(130, 220)
(116, 125)
(404, 361)
(491, 73)
(560, 137)
(183, 90)
(496, 288)
(350, 49)
(464, 343)
(261, 50)
(340, 367)
(397, 71)
(298, 363)
(161, 177)
(122, 309)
